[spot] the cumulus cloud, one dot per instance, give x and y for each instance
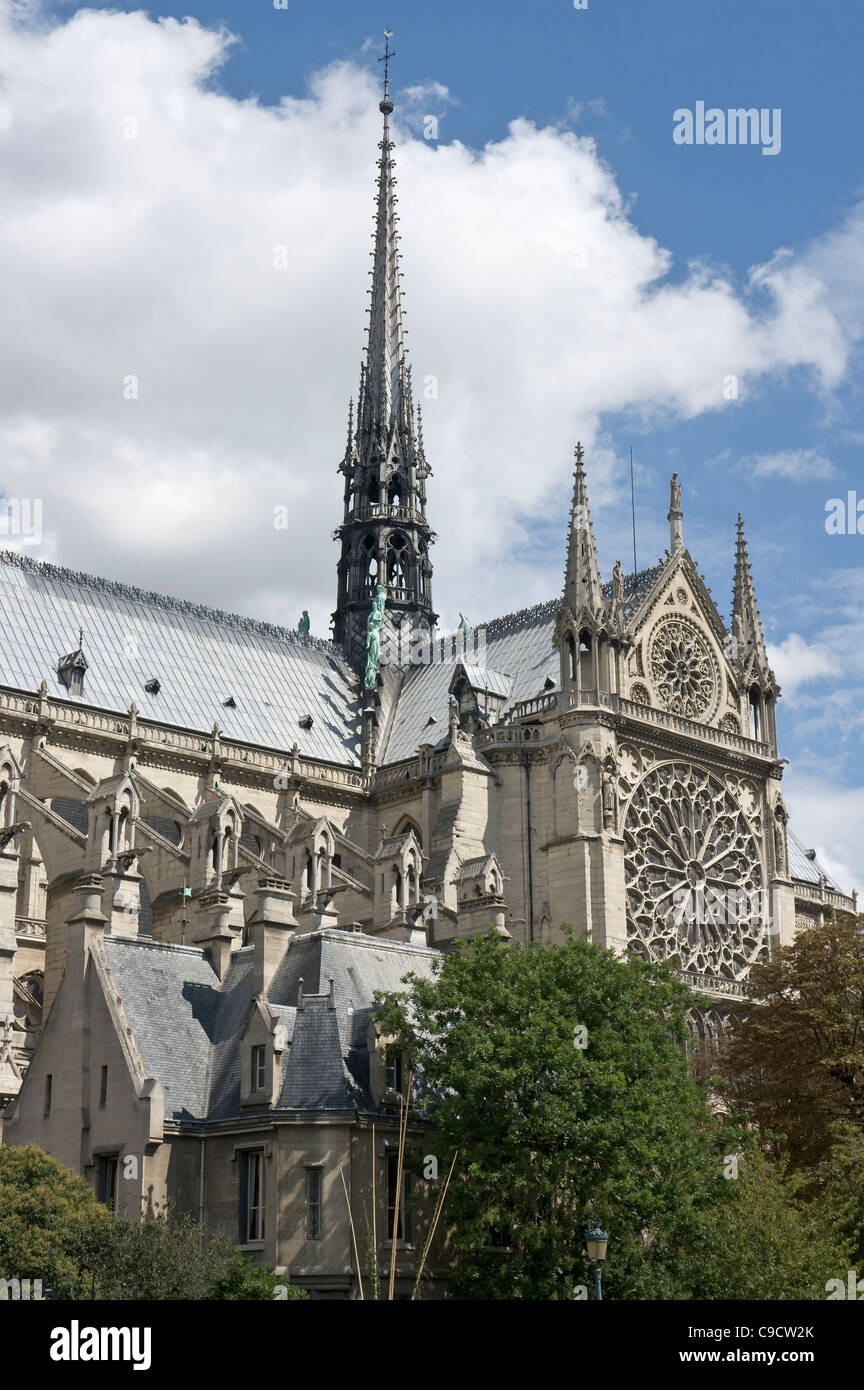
(215, 250)
(828, 818)
(795, 662)
(797, 465)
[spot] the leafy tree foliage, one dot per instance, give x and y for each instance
(51, 1226)
(553, 1135)
(795, 1065)
(47, 1213)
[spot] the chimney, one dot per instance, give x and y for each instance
(273, 925)
(88, 924)
(214, 933)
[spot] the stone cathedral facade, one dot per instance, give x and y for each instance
(218, 837)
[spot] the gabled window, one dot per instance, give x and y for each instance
(251, 1196)
(259, 1063)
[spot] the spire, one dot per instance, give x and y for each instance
(384, 536)
(582, 588)
(746, 623)
(384, 403)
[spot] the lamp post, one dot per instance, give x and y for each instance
(596, 1241)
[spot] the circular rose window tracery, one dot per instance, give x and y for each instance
(693, 874)
(681, 668)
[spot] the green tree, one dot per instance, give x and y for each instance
(47, 1214)
(559, 1074)
(52, 1227)
(754, 1235)
(168, 1258)
(795, 1063)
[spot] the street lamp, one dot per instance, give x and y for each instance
(596, 1240)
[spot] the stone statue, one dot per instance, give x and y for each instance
(780, 838)
(617, 583)
(675, 489)
(374, 624)
(303, 625)
(608, 793)
(453, 714)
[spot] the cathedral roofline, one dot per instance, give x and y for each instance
(116, 589)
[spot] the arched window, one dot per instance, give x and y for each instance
(397, 561)
(408, 824)
(586, 670)
(372, 491)
(755, 713)
(393, 495)
(571, 645)
(369, 557)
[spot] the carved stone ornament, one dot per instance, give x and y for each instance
(682, 669)
(694, 876)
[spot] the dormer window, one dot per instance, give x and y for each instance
(259, 1066)
(71, 669)
(393, 1070)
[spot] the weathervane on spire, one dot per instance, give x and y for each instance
(386, 105)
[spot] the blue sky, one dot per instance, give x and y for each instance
(687, 229)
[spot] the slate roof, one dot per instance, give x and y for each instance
(188, 1025)
(801, 866)
(518, 646)
(199, 655)
(171, 996)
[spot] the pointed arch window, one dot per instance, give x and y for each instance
(571, 647)
(586, 663)
(369, 559)
(756, 722)
(397, 562)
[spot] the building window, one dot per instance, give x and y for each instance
(259, 1057)
(313, 1203)
(393, 1066)
(103, 1087)
(46, 1105)
(251, 1196)
(403, 1226)
(106, 1180)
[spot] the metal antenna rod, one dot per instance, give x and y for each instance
(385, 59)
(633, 511)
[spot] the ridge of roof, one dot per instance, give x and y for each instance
(115, 588)
(537, 612)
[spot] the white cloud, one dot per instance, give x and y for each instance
(154, 256)
(795, 662)
(830, 818)
(798, 465)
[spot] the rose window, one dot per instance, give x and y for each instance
(682, 669)
(693, 875)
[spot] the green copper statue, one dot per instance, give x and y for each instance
(463, 623)
(303, 625)
(374, 624)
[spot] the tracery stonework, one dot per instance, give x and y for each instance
(681, 668)
(694, 876)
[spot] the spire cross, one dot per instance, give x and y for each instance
(385, 59)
